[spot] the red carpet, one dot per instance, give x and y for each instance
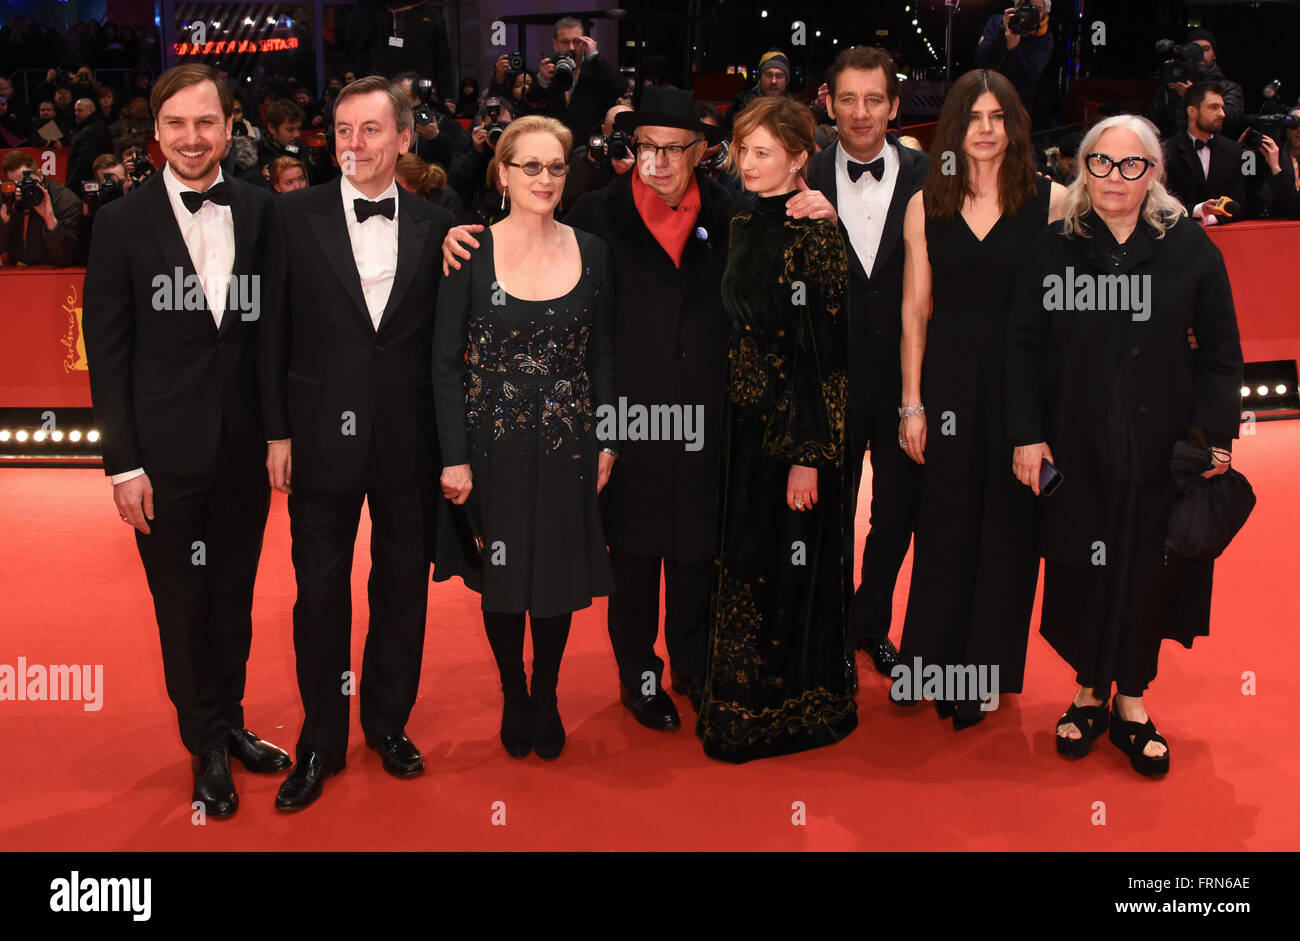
(73, 591)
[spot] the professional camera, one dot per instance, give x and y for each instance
(25, 195)
(427, 111)
(138, 166)
(718, 160)
(1271, 98)
(1180, 63)
(97, 194)
(515, 62)
(238, 129)
(1025, 18)
(492, 119)
(617, 146)
(565, 68)
(1282, 122)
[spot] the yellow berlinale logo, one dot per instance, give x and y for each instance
(74, 359)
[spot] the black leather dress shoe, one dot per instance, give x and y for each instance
(401, 758)
(213, 785)
(883, 654)
(256, 755)
(303, 785)
(692, 689)
(654, 712)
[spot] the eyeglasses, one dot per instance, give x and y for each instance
(534, 167)
(1130, 168)
(673, 152)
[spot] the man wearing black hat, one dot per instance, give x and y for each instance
(773, 81)
(668, 226)
(1169, 112)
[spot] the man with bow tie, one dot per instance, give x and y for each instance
(1203, 168)
(173, 301)
(348, 403)
(870, 177)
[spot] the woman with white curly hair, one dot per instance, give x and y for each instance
(1101, 383)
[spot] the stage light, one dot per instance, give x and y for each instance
(818, 33)
(39, 436)
(1245, 392)
(216, 24)
(913, 22)
(4, 434)
(1270, 389)
(1261, 390)
(1280, 389)
(763, 14)
(56, 436)
(92, 436)
(74, 436)
(21, 435)
(248, 21)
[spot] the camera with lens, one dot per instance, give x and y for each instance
(515, 62)
(238, 129)
(617, 146)
(1025, 18)
(566, 68)
(1271, 98)
(427, 111)
(138, 166)
(24, 195)
(296, 149)
(1180, 63)
(719, 158)
(492, 119)
(97, 194)
(1255, 138)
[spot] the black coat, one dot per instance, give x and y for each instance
(670, 347)
(1188, 183)
(91, 140)
(876, 302)
(323, 356)
(166, 382)
(1109, 391)
(597, 89)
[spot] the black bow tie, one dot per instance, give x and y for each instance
(219, 194)
(876, 168)
(1200, 144)
(366, 208)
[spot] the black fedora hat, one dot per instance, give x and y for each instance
(667, 107)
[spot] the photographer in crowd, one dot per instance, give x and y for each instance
(1017, 44)
(44, 115)
(1279, 190)
(40, 220)
(773, 81)
(605, 157)
(282, 139)
(91, 140)
(438, 137)
(713, 162)
(135, 158)
(133, 121)
(468, 174)
(1168, 109)
(577, 85)
(1203, 166)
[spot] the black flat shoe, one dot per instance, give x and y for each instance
(654, 712)
(400, 756)
(1092, 721)
(548, 730)
(303, 785)
(1141, 733)
(214, 787)
(517, 723)
(966, 714)
(692, 689)
(256, 755)
(883, 654)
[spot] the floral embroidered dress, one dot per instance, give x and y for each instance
(775, 681)
(517, 384)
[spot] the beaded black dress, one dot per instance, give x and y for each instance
(775, 680)
(517, 386)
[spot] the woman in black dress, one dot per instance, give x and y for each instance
(775, 678)
(522, 362)
(1103, 385)
(975, 561)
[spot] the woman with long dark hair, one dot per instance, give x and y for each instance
(975, 562)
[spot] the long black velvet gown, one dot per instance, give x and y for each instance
(775, 680)
(975, 556)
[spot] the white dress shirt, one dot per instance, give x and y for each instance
(863, 206)
(374, 246)
(209, 236)
(1203, 155)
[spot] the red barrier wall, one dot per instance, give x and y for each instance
(1261, 261)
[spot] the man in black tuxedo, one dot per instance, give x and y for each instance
(347, 392)
(870, 177)
(1202, 167)
(172, 303)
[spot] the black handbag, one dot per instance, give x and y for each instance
(1211, 510)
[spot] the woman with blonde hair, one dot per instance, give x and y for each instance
(522, 362)
(428, 181)
(1102, 384)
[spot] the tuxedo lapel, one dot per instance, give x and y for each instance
(412, 234)
(829, 178)
(245, 229)
(167, 234)
(893, 230)
(330, 227)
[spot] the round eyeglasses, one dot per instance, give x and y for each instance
(534, 167)
(1130, 168)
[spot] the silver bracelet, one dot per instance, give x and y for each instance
(910, 411)
(609, 451)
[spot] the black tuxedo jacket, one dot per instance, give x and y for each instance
(330, 380)
(1184, 178)
(165, 382)
(876, 302)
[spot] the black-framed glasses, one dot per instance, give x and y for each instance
(673, 152)
(534, 167)
(1130, 168)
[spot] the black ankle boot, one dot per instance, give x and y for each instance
(548, 730)
(516, 719)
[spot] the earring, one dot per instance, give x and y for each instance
(503, 199)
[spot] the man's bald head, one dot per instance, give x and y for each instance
(83, 109)
(613, 112)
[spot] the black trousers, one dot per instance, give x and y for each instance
(895, 483)
(324, 529)
(200, 559)
(634, 615)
